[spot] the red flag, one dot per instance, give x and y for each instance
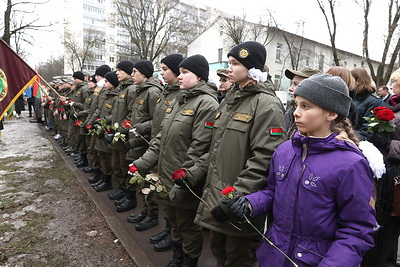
(15, 77)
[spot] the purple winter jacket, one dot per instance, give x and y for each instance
(321, 193)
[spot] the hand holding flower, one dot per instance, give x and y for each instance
(132, 169)
(178, 177)
(239, 206)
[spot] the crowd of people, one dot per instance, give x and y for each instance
(280, 187)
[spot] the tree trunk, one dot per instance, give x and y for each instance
(7, 19)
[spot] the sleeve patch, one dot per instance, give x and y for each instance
(276, 131)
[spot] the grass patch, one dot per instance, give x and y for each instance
(27, 240)
(8, 164)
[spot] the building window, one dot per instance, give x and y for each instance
(278, 52)
(220, 55)
(321, 60)
(111, 59)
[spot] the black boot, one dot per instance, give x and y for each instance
(177, 256)
(88, 169)
(137, 218)
(120, 201)
(95, 177)
(129, 202)
(149, 222)
(116, 194)
(189, 261)
(106, 185)
(163, 234)
(84, 161)
(164, 244)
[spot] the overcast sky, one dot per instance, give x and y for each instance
(286, 13)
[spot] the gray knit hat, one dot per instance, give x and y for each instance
(328, 92)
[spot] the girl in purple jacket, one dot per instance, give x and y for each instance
(319, 188)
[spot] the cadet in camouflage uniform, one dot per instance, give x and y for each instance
(148, 90)
(77, 104)
(248, 127)
(101, 181)
(99, 80)
(184, 138)
(62, 114)
(169, 72)
(125, 194)
(89, 107)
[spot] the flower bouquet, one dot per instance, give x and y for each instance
(381, 122)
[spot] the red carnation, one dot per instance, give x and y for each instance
(78, 123)
(228, 190)
(50, 107)
(133, 169)
(179, 174)
(127, 124)
(88, 127)
(62, 103)
(108, 131)
(385, 114)
(60, 109)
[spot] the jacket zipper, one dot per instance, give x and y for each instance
(295, 213)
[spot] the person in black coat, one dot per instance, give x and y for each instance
(365, 100)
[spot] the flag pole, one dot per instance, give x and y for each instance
(51, 87)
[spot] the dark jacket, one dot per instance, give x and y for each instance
(365, 102)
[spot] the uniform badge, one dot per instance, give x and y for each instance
(244, 52)
(158, 100)
(242, 117)
(121, 96)
(188, 112)
(168, 110)
(217, 115)
(168, 102)
(140, 101)
(108, 106)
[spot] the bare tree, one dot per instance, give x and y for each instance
(293, 42)
(52, 67)
(391, 42)
(20, 22)
(235, 28)
(331, 24)
(239, 30)
(152, 25)
(76, 53)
